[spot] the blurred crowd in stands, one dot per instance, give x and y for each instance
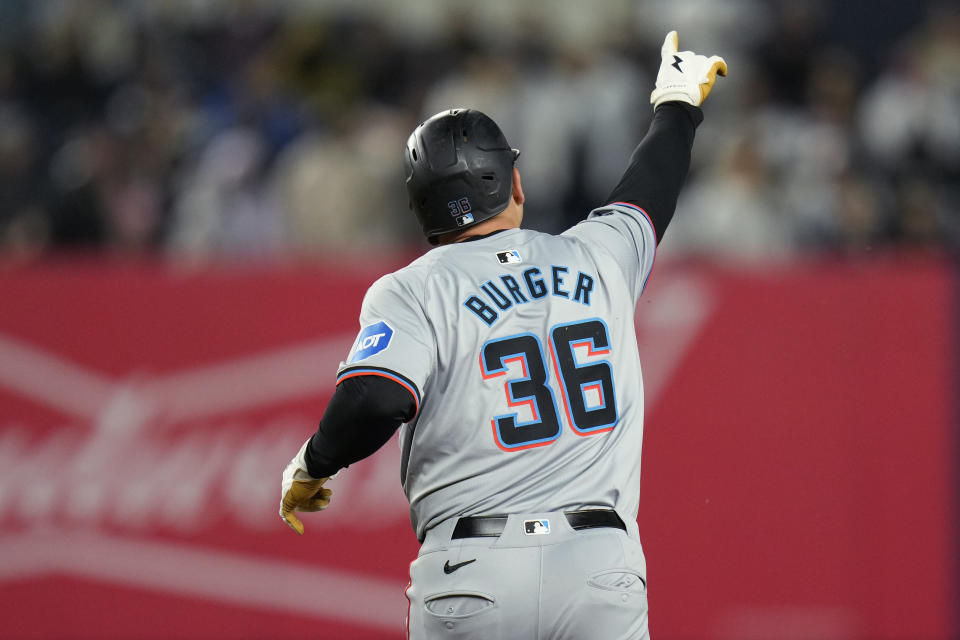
(256, 128)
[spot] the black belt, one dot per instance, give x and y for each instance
(492, 526)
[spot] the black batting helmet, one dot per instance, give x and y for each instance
(459, 171)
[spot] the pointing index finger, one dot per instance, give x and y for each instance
(670, 44)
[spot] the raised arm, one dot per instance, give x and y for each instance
(659, 165)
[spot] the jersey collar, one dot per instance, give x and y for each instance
(486, 235)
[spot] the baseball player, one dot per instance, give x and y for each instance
(508, 360)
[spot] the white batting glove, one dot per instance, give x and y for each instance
(300, 491)
(685, 75)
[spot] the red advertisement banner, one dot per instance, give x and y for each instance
(798, 469)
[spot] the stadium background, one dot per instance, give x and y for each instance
(194, 195)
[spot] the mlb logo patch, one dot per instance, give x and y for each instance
(372, 340)
(536, 527)
(509, 257)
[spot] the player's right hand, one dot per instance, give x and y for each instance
(300, 491)
(685, 75)
(303, 495)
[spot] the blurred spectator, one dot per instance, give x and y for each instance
(224, 205)
(732, 212)
(345, 189)
(809, 147)
(24, 226)
(910, 130)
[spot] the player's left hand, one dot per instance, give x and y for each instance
(301, 492)
(685, 75)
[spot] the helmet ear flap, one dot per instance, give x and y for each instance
(459, 171)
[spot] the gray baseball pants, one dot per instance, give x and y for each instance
(529, 584)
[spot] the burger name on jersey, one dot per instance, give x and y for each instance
(500, 294)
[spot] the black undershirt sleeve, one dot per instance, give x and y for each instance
(660, 163)
(361, 416)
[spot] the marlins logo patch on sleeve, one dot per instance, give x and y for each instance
(371, 341)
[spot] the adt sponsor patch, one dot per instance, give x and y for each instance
(371, 341)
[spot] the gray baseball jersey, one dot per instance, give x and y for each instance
(520, 351)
